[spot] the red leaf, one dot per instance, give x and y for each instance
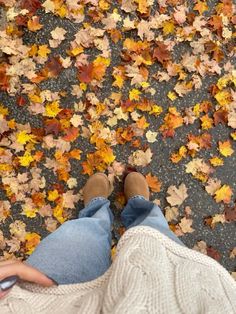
(31, 5)
(85, 73)
(71, 134)
(213, 253)
(21, 101)
(4, 79)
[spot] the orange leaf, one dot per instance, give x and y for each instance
(33, 24)
(153, 183)
(71, 134)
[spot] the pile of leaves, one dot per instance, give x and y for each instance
(134, 43)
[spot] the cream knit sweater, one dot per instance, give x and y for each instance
(150, 274)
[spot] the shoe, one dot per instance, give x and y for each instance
(98, 185)
(136, 184)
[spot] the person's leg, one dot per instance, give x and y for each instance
(140, 211)
(79, 250)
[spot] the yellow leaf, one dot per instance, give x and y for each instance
(134, 94)
(156, 110)
(142, 6)
(223, 97)
(172, 95)
(3, 110)
(223, 194)
(176, 157)
(225, 148)
(62, 11)
(52, 109)
(35, 98)
(26, 159)
(83, 86)
(168, 27)
(58, 213)
(76, 51)
(43, 51)
(32, 240)
(207, 122)
(197, 110)
(216, 161)
(107, 155)
(101, 60)
(233, 135)
(33, 50)
(23, 137)
(29, 212)
(53, 195)
(119, 81)
(104, 5)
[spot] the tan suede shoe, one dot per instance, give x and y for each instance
(97, 185)
(136, 184)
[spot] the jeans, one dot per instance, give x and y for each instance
(80, 249)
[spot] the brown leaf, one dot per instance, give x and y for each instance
(230, 213)
(220, 116)
(161, 53)
(52, 126)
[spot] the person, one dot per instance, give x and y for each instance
(153, 271)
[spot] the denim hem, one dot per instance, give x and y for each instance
(138, 197)
(99, 198)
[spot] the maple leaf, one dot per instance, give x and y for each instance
(225, 148)
(230, 213)
(201, 7)
(223, 194)
(33, 24)
(31, 5)
(232, 119)
(71, 134)
(220, 116)
(32, 240)
(17, 229)
(153, 183)
(186, 225)
(85, 73)
(52, 126)
(213, 253)
(141, 158)
(26, 159)
(176, 195)
(43, 51)
(216, 161)
(161, 52)
(4, 78)
(171, 213)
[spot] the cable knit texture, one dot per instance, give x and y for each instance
(150, 274)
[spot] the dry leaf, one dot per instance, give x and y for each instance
(177, 195)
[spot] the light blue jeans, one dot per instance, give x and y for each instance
(80, 249)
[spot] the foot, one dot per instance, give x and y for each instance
(97, 185)
(136, 184)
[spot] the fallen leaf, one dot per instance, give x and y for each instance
(177, 195)
(153, 183)
(223, 194)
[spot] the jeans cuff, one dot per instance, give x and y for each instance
(138, 197)
(95, 199)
